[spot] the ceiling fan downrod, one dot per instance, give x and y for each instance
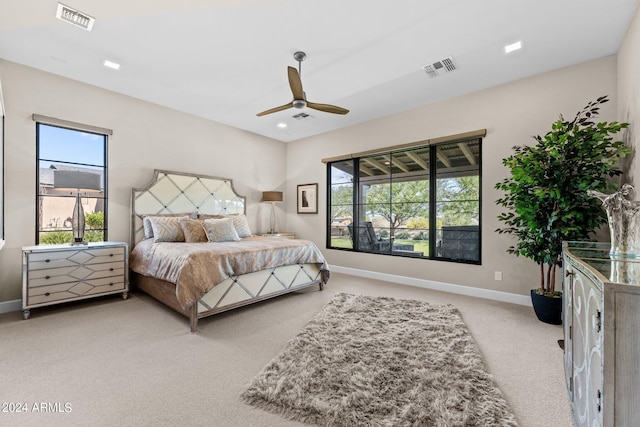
(299, 56)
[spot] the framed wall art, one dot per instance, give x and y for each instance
(308, 199)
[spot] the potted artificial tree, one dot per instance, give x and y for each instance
(546, 195)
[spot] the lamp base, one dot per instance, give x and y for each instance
(77, 223)
(80, 243)
(272, 219)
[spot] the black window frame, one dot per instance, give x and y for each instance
(434, 234)
(105, 176)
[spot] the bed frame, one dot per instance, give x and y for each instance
(183, 193)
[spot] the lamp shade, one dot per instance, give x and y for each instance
(272, 196)
(76, 180)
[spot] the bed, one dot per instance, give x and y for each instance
(201, 276)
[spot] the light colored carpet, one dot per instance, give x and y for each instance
(378, 361)
(134, 362)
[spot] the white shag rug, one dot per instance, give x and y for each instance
(376, 361)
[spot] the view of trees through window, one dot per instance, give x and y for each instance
(421, 202)
(69, 150)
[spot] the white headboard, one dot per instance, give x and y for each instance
(176, 192)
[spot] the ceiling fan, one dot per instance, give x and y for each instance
(299, 97)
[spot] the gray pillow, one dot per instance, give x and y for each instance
(220, 230)
(167, 228)
(241, 225)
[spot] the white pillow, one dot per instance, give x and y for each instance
(167, 228)
(220, 230)
(148, 230)
(241, 225)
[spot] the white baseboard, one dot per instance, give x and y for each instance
(8, 306)
(16, 305)
(438, 286)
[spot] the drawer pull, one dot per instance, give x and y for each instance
(111, 269)
(110, 254)
(47, 277)
(110, 284)
(47, 294)
(47, 260)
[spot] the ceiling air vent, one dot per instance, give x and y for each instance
(440, 67)
(301, 116)
(72, 16)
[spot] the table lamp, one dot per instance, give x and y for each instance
(272, 197)
(78, 182)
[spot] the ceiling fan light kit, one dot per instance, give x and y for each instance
(299, 96)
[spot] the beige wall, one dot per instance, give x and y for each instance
(510, 113)
(629, 95)
(145, 137)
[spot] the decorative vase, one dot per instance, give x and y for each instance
(624, 270)
(623, 216)
(548, 309)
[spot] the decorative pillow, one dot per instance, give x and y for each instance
(193, 230)
(220, 230)
(167, 228)
(146, 222)
(148, 230)
(241, 225)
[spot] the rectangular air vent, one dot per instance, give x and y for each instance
(301, 116)
(440, 67)
(72, 16)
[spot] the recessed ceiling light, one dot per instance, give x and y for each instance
(513, 47)
(111, 64)
(74, 17)
(282, 125)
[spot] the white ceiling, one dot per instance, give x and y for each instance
(226, 60)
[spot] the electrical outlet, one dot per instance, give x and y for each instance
(498, 275)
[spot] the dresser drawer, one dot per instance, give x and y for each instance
(75, 290)
(53, 276)
(71, 258)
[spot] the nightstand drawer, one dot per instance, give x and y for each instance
(52, 276)
(75, 290)
(70, 258)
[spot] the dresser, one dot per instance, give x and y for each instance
(601, 316)
(54, 274)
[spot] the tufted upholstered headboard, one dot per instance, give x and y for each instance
(182, 193)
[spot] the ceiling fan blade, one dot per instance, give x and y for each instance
(327, 108)
(295, 83)
(276, 109)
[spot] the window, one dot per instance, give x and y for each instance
(69, 149)
(421, 202)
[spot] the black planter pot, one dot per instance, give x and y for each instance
(548, 309)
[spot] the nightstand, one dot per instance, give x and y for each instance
(54, 274)
(284, 234)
